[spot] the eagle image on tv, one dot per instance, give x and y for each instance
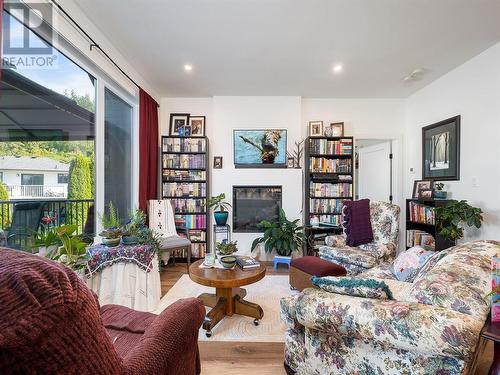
(260, 148)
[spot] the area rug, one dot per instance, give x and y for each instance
(266, 292)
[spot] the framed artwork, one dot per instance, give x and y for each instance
(441, 150)
(259, 148)
(421, 185)
(217, 162)
(337, 129)
(290, 162)
(179, 124)
(197, 125)
(315, 128)
(426, 194)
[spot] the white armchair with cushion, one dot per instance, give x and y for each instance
(162, 221)
(384, 218)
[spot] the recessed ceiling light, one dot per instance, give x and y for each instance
(188, 67)
(337, 68)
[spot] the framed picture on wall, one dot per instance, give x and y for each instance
(179, 124)
(197, 125)
(259, 148)
(315, 128)
(441, 150)
(217, 162)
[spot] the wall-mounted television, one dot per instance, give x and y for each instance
(252, 204)
(259, 148)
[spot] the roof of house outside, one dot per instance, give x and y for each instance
(32, 164)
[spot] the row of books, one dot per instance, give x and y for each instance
(184, 145)
(198, 250)
(184, 189)
(183, 161)
(197, 235)
(177, 175)
(420, 238)
(343, 189)
(323, 146)
(331, 220)
(420, 213)
(325, 165)
(325, 205)
(190, 221)
(188, 205)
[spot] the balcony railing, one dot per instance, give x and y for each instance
(36, 191)
(19, 227)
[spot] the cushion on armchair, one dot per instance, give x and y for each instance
(409, 263)
(358, 228)
(352, 286)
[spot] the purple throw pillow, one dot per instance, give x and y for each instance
(358, 229)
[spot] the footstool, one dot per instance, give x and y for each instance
(302, 269)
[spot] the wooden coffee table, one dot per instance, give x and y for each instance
(228, 297)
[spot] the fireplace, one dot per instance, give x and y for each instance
(252, 204)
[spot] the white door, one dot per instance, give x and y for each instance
(374, 173)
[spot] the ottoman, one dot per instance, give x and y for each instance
(302, 269)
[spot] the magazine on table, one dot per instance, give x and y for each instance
(247, 263)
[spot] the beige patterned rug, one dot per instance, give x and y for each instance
(266, 292)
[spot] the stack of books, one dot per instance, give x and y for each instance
(324, 165)
(176, 175)
(420, 213)
(325, 205)
(323, 146)
(190, 221)
(343, 189)
(188, 205)
(197, 235)
(420, 238)
(183, 145)
(329, 220)
(188, 190)
(184, 161)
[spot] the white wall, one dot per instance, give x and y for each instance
(472, 91)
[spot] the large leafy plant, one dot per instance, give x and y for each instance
(452, 217)
(73, 251)
(282, 235)
(218, 203)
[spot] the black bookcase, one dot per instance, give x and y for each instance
(441, 242)
(185, 181)
(329, 180)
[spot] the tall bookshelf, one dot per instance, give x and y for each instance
(185, 181)
(329, 180)
(420, 218)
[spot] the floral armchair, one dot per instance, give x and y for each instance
(385, 226)
(432, 326)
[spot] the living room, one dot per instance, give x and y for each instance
(250, 187)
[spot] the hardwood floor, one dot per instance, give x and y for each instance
(231, 358)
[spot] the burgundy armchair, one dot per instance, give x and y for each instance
(50, 323)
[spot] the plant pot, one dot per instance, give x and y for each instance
(111, 242)
(129, 240)
(221, 217)
(440, 194)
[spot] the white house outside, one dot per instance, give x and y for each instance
(34, 177)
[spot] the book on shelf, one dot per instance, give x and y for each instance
(325, 205)
(190, 221)
(198, 250)
(324, 165)
(327, 220)
(184, 189)
(247, 262)
(420, 238)
(343, 189)
(331, 147)
(184, 161)
(197, 235)
(188, 205)
(177, 175)
(183, 144)
(421, 213)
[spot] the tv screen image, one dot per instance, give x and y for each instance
(259, 148)
(252, 204)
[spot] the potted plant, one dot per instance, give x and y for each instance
(220, 208)
(452, 217)
(112, 233)
(137, 220)
(72, 252)
(282, 235)
(226, 248)
(46, 241)
(439, 193)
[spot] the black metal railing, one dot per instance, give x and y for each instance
(21, 219)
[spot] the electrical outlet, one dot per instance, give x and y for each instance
(412, 170)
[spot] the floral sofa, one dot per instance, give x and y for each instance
(431, 326)
(385, 225)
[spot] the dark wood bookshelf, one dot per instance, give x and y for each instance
(441, 242)
(324, 177)
(166, 180)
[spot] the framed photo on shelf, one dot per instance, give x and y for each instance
(259, 148)
(441, 150)
(217, 162)
(426, 194)
(290, 162)
(179, 124)
(315, 128)
(337, 129)
(197, 125)
(421, 185)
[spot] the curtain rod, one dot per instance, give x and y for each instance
(93, 43)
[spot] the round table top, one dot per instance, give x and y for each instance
(220, 278)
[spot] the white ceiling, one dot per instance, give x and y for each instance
(288, 47)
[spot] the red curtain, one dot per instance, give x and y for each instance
(148, 149)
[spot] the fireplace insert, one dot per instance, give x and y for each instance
(252, 204)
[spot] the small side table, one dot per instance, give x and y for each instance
(491, 331)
